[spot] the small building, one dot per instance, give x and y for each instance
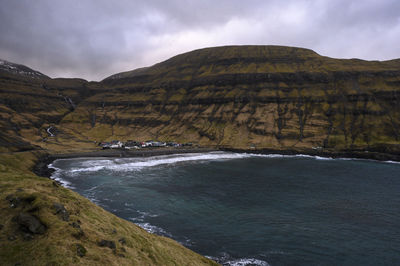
(131, 144)
(116, 144)
(105, 145)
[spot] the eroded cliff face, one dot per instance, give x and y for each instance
(31, 105)
(250, 96)
(258, 97)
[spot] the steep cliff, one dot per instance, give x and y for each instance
(250, 96)
(30, 104)
(259, 97)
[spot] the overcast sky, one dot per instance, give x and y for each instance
(93, 39)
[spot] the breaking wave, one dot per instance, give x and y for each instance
(57, 177)
(153, 229)
(132, 164)
(246, 261)
(226, 260)
(88, 165)
(137, 164)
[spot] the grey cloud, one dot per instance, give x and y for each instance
(93, 39)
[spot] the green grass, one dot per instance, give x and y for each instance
(58, 244)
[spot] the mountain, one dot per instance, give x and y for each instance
(28, 106)
(21, 70)
(258, 98)
(264, 97)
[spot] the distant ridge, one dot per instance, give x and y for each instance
(268, 54)
(22, 70)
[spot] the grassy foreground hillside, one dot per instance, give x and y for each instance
(42, 223)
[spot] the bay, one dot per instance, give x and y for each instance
(246, 209)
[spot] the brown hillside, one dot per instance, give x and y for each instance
(241, 96)
(237, 96)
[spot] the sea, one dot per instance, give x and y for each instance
(248, 209)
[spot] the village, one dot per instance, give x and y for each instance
(131, 144)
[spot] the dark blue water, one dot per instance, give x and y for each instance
(254, 210)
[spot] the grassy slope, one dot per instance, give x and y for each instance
(247, 59)
(57, 246)
(250, 96)
(30, 106)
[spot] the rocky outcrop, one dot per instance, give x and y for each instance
(30, 223)
(80, 250)
(61, 212)
(107, 243)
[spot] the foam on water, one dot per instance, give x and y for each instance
(137, 164)
(142, 216)
(226, 260)
(367, 160)
(132, 164)
(140, 221)
(57, 177)
(153, 229)
(246, 261)
(394, 162)
(288, 156)
(316, 157)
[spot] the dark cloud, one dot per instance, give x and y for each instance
(96, 38)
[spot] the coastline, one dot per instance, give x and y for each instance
(67, 228)
(130, 153)
(354, 154)
(41, 168)
(47, 159)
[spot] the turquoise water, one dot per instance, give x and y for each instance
(244, 209)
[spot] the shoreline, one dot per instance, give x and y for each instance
(155, 152)
(42, 169)
(367, 155)
(120, 153)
